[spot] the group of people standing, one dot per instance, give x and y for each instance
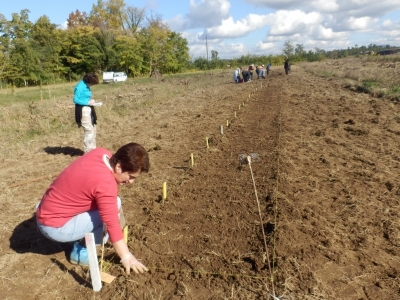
(84, 196)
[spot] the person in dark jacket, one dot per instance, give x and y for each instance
(246, 75)
(287, 66)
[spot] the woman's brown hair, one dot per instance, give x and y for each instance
(91, 78)
(132, 157)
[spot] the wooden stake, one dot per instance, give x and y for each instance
(208, 146)
(93, 262)
(125, 230)
(102, 249)
(191, 159)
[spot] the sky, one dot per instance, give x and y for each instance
(260, 27)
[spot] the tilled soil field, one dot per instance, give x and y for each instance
(324, 190)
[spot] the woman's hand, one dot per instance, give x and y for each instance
(130, 262)
(91, 102)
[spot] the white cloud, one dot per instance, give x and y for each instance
(390, 32)
(63, 26)
(224, 50)
(343, 23)
(262, 47)
(390, 25)
(360, 23)
(326, 6)
(231, 29)
(177, 23)
(322, 33)
(292, 22)
(355, 8)
(207, 13)
(278, 4)
(326, 24)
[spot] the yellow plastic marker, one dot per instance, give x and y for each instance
(235, 113)
(191, 159)
(208, 146)
(164, 190)
(227, 123)
(126, 234)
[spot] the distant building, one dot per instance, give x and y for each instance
(388, 51)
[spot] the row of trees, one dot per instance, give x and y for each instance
(113, 36)
(116, 37)
(298, 53)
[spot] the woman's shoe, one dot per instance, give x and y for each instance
(79, 255)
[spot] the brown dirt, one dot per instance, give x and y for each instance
(327, 182)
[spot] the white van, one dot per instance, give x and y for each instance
(114, 77)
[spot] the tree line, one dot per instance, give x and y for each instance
(112, 37)
(117, 37)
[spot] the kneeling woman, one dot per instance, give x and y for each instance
(85, 196)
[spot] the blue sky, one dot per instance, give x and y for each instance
(237, 27)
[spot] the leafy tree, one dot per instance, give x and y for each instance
(77, 18)
(214, 55)
(176, 53)
(46, 41)
(83, 52)
(98, 15)
(153, 40)
(115, 14)
(129, 56)
(20, 26)
(109, 14)
(299, 50)
(200, 63)
(5, 46)
(288, 48)
(22, 63)
(134, 18)
(106, 38)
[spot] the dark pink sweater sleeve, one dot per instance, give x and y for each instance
(106, 200)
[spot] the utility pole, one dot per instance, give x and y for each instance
(207, 47)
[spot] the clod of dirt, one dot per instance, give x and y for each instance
(350, 122)
(157, 147)
(389, 186)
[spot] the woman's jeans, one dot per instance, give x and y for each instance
(76, 228)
